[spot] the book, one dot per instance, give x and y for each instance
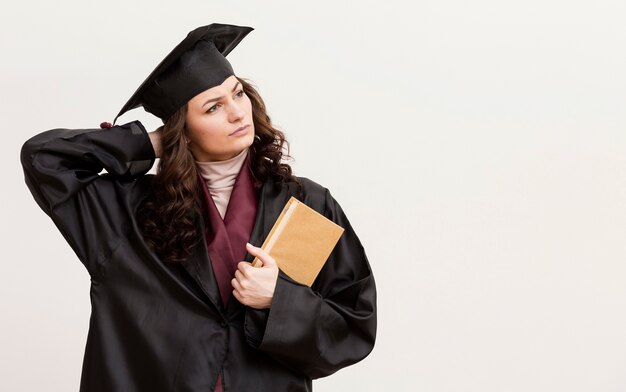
(301, 241)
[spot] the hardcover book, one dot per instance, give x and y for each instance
(301, 241)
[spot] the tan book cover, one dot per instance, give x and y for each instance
(301, 241)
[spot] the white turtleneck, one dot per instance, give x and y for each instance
(220, 177)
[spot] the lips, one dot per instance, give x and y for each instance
(240, 129)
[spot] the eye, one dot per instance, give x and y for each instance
(212, 108)
(239, 93)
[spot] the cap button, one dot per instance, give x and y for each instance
(105, 125)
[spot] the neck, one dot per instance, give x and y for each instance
(222, 174)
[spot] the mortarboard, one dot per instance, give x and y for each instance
(193, 66)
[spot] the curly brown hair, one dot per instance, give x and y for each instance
(166, 215)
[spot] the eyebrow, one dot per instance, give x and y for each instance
(218, 98)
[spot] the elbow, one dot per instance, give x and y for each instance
(32, 146)
(330, 360)
(26, 152)
(32, 179)
(331, 368)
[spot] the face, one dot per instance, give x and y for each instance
(212, 118)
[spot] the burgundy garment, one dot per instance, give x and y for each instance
(226, 239)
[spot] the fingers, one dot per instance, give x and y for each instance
(236, 285)
(238, 297)
(251, 286)
(238, 290)
(239, 276)
(255, 251)
(261, 254)
(243, 267)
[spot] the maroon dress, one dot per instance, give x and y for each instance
(226, 238)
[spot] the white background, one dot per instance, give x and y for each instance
(478, 148)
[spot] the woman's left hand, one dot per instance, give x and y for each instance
(254, 286)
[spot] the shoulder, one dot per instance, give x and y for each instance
(312, 187)
(317, 196)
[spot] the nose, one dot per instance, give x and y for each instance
(236, 112)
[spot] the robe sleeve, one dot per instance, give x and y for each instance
(320, 329)
(62, 171)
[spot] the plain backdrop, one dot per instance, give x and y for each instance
(477, 147)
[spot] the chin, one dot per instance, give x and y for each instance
(250, 139)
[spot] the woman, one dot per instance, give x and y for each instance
(176, 305)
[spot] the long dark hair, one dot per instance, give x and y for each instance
(166, 216)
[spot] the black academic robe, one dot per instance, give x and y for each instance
(158, 328)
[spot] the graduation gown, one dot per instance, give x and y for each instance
(154, 327)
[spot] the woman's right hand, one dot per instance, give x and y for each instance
(155, 138)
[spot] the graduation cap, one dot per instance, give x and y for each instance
(193, 66)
